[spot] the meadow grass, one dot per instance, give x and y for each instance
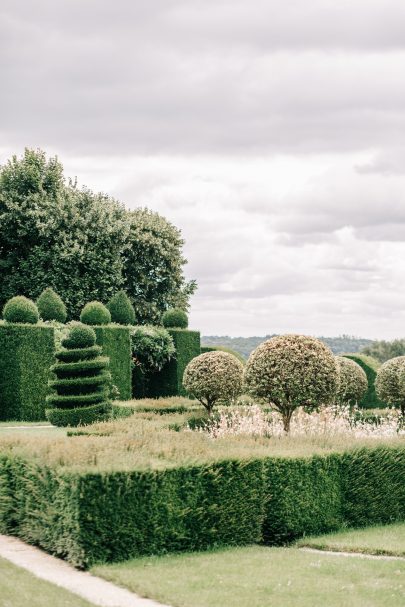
(382, 539)
(19, 588)
(261, 577)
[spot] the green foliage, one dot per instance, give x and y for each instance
(223, 349)
(51, 306)
(26, 354)
(95, 313)
(88, 516)
(121, 309)
(214, 377)
(80, 390)
(21, 309)
(169, 381)
(116, 344)
(80, 337)
(352, 384)
(385, 350)
(370, 367)
(291, 371)
(85, 245)
(390, 382)
(153, 266)
(175, 319)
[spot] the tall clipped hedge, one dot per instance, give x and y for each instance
(116, 344)
(26, 354)
(92, 517)
(370, 367)
(169, 381)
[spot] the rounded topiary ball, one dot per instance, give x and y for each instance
(80, 336)
(214, 377)
(21, 309)
(175, 319)
(95, 313)
(290, 371)
(352, 381)
(390, 382)
(121, 309)
(51, 306)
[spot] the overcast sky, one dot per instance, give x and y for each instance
(272, 133)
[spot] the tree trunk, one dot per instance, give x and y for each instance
(287, 421)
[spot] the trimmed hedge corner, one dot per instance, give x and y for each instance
(370, 367)
(26, 355)
(169, 381)
(116, 344)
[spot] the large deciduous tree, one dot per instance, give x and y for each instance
(85, 246)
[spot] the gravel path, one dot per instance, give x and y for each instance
(54, 570)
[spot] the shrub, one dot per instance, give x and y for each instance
(390, 382)
(291, 371)
(169, 381)
(116, 344)
(95, 313)
(80, 336)
(21, 309)
(152, 347)
(214, 377)
(51, 306)
(352, 381)
(81, 386)
(121, 309)
(26, 354)
(223, 349)
(175, 319)
(370, 367)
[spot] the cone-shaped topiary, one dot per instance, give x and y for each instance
(95, 313)
(81, 388)
(175, 319)
(51, 306)
(121, 309)
(21, 309)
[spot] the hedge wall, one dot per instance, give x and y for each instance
(105, 517)
(116, 344)
(26, 354)
(370, 366)
(169, 382)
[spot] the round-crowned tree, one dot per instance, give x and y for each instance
(352, 381)
(214, 377)
(291, 371)
(80, 392)
(51, 306)
(95, 313)
(390, 383)
(121, 309)
(175, 319)
(21, 309)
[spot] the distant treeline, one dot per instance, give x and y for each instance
(245, 345)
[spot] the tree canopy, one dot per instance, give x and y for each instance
(86, 246)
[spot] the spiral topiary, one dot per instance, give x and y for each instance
(121, 309)
(390, 382)
(352, 381)
(51, 306)
(214, 377)
(81, 388)
(95, 313)
(175, 319)
(292, 371)
(21, 309)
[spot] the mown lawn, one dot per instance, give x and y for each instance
(18, 588)
(385, 539)
(257, 576)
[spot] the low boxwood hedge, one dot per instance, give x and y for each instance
(90, 516)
